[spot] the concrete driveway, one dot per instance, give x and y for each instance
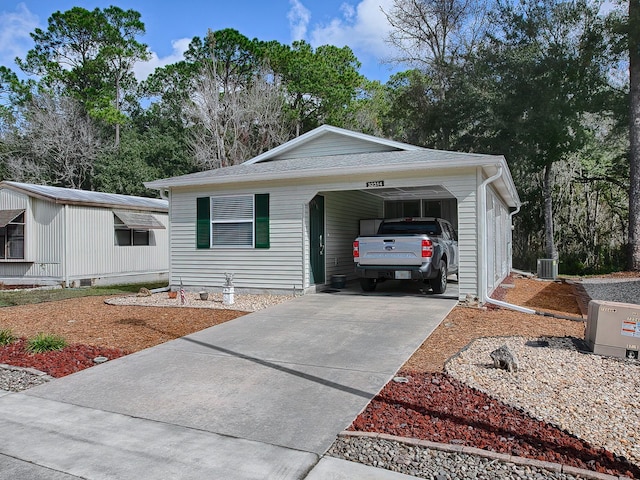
(262, 396)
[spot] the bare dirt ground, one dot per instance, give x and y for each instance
(90, 321)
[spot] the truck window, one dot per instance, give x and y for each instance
(409, 228)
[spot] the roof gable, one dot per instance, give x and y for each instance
(327, 140)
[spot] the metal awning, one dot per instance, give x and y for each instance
(138, 221)
(7, 216)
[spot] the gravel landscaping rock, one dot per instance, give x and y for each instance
(243, 302)
(588, 397)
(17, 379)
(613, 289)
(434, 464)
(592, 397)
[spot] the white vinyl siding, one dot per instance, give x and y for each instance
(274, 268)
(343, 212)
(333, 144)
(498, 240)
(285, 265)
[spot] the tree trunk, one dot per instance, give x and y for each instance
(550, 244)
(117, 139)
(633, 262)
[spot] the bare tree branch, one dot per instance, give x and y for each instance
(229, 126)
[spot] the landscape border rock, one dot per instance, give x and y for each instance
(559, 388)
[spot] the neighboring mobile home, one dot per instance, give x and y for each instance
(286, 219)
(52, 235)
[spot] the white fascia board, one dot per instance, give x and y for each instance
(321, 130)
(317, 173)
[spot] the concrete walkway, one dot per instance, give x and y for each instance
(263, 396)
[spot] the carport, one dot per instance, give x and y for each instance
(285, 221)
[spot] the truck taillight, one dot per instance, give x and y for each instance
(427, 248)
(356, 249)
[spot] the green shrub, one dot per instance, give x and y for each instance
(7, 337)
(45, 343)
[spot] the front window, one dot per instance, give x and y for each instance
(232, 221)
(12, 239)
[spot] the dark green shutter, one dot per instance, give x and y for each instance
(262, 220)
(203, 222)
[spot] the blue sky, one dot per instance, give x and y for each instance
(360, 24)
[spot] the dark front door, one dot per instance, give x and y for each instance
(316, 239)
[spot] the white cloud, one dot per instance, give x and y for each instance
(15, 28)
(143, 69)
(299, 17)
(364, 28)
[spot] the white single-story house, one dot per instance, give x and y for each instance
(52, 235)
(286, 219)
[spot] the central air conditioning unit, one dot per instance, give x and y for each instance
(547, 268)
(613, 329)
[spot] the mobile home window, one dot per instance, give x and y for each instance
(12, 238)
(233, 221)
(126, 236)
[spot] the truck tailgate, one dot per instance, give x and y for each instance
(391, 251)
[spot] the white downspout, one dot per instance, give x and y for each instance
(482, 281)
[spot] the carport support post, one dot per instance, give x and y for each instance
(482, 254)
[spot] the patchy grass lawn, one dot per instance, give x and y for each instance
(10, 298)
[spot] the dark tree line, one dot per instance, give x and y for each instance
(550, 84)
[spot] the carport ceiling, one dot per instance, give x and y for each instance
(431, 192)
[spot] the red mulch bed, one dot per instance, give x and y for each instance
(438, 408)
(71, 359)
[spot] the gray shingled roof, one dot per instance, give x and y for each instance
(330, 165)
(83, 197)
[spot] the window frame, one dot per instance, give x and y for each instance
(120, 226)
(6, 236)
(260, 221)
(229, 219)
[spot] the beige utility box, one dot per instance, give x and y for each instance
(613, 329)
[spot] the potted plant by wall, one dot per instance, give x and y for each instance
(173, 294)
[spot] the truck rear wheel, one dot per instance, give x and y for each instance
(439, 284)
(368, 284)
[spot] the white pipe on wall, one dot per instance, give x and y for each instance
(482, 281)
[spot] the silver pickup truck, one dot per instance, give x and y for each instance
(407, 249)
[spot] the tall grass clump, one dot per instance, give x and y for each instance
(45, 343)
(7, 337)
